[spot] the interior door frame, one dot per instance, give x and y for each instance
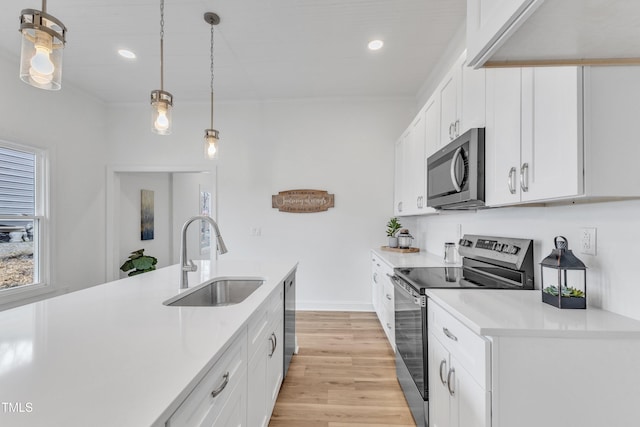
(112, 205)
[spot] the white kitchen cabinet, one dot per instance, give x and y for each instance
(490, 21)
(265, 359)
(527, 364)
(399, 188)
(383, 296)
(533, 135)
(462, 101)
(458, 373)
(554, 134)
(410, 172)
(220, 395)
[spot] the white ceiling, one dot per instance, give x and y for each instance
(264, 49)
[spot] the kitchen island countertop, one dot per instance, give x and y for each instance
(113, 354)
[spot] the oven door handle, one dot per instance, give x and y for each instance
(417, 298)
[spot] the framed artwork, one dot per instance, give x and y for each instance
(146, 215)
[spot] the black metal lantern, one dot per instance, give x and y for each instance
(569, 269)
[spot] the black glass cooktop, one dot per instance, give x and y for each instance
(459, 277)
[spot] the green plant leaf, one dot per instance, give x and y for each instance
(128, 265)
(143, 263)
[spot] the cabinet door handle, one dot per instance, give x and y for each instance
(457, 127)
(452, 130)
(449, 334)
(400, 207)
(388, 297)
(511, 181)
(443, 364)
(217, 391)
(451, 378)
(274, 344)
(375, 277)
(389, 326)
(524, 177)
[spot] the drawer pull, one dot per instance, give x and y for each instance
(443, 364)
(451, 378)
(449, 334)
(388, 297)
(217, 391)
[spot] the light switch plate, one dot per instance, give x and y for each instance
(588, 240)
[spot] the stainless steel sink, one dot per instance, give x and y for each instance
(218, 292)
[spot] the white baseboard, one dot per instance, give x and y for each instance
(332, 306)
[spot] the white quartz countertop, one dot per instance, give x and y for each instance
(113, 354)
(414, 259)
(522, 313)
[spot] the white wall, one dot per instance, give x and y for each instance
(70, 125)
(129, 217)
(339, 145)
(186, 203)
(612, 278)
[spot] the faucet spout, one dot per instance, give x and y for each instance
(187, 265)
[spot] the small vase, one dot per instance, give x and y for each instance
(393, 242)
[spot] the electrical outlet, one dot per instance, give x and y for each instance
(588, 240)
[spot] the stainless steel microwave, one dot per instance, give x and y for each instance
(455, 173)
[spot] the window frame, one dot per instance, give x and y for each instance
(42, 268)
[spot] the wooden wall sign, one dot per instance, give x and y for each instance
(302, 201)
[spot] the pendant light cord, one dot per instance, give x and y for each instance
(211, 68)
(44, 6)
(162, 45)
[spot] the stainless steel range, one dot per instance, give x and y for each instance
(488, 263)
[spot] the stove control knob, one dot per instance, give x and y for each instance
(498, 247)
(506, 248)
(514, 250)
(465, 242)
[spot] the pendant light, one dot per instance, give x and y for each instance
(43, 39)
(211, 135)
(161, 100)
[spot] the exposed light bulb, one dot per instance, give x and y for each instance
(42, 68)
(162, 121)
(211, 150)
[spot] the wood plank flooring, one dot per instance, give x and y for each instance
(343, 376)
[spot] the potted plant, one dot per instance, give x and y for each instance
(392, 228)
(139, 263)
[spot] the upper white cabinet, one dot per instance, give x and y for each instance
(533, 134)
(555, 134)
(462, 101)
(538, 32)
(458, 104)
(410, 173)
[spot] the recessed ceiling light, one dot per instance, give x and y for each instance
(126, 54)
(375, 44)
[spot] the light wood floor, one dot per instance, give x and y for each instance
(343, 376)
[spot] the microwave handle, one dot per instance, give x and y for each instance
(454, 178)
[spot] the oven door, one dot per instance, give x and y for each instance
(410, 329)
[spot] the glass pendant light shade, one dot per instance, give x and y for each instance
(161, 106)
(43, 39)
(211, 137)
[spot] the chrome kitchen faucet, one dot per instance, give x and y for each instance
(187, 266)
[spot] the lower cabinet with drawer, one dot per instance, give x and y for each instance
(266, 329)
(220, 398)
(458, 373)
(383, 296)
